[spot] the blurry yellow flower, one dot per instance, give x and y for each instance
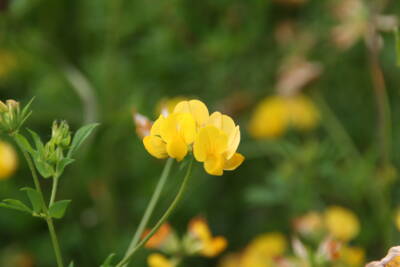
(171, 136)
(8, 160)
(209, 246)
(159, 260)
(270, 244)
(274, 115)
(352, 256)
(394, 262)
(7, 62)
(167, 105)
(341, 223)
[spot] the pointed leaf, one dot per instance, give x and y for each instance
(38, 142)
(57, 210)
(45, 169)
(15, 204)
(23, 142)
(34, 198)
(81, 136)
(108, 261)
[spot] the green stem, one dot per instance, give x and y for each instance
(53, 190)
(166, 215)
(49, 220)
(150, 208)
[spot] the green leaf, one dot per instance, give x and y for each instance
(62, 164)
(108, 261)
(57, 210)
(26, 112)
(80, 137)
(71, 264)
(23, 142)
(38, 142)
(397, 40)
(45, 169)
(15, 204)
(34, 198)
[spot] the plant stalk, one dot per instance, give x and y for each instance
(166, 215)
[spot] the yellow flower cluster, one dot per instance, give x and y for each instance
(213, 138)
(197, 241)
(341, 223)
(8, 160)
(274, 115)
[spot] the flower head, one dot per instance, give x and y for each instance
(8, 160)
(341, 223)
(201, 240)
(171, 136)
(274, 115)
(159, 260)
(213, 139)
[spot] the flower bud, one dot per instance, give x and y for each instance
(60, 134)
(11, 116)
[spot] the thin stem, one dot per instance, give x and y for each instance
(166, 215)
(53, 190)
(49, 220)
(150, 208)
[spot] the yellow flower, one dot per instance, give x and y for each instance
(171, 136)
(167, 105)
(341, 223)
(394, 262)
(209, 246)
(274, 115)
(159, 260)
(352, 256)
(397, 219)
(216, 145)
(8, 160)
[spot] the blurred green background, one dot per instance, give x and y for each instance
(87, 61)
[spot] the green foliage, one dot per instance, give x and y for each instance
(58, 209)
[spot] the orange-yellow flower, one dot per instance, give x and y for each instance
(8, 160)
(209, 246)
(157, 240)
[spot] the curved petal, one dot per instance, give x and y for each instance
(233, 142)
(234, 162)
(222, 122)
(155, 146)
(215, 247)
(197, 108)
(156, 127)
(214, 165)
(187, 127)
(176, 148)
(209, 141)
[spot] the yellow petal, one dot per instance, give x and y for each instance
(8, 160)
(158, 260)
(209, 140)
(215, 247)
(214, 165)
(222, 122)
(176, 148)
(233, 142)
(155, 146)
(197, 108)
(169, 127)
(234, 162)
(187, 127)
(156, 128)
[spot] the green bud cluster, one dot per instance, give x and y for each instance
(12, 117)
(59, 142)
